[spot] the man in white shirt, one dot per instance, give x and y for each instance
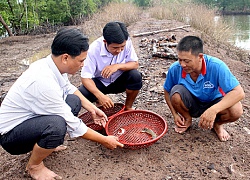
(111, 67)
(42, 106)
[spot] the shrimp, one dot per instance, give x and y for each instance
(149, 131)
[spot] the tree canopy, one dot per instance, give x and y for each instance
(228, 5)
(23, 16)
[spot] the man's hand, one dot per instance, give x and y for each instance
(106, 102)
(182, 124)
(207, 119)
(112, 142)
(179, 121)
(109, 70)
(99, 117)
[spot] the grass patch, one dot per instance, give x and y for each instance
(39, 55)
(127, 13)
(198, 16)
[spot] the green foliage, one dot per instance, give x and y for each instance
(228, 5)
(12, 13)
(23, 15)
(5, 15)
(76, 7)
(89, 7)
(53, 11)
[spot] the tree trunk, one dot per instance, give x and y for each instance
(5, 26)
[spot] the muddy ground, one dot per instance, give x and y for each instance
(196, 154)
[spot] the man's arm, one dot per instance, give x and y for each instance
(90, 85)
(106, 73)
(230, 99)
(128, 66)
(103, 99)
(167, 98)
(85, 102)
(109, 70)
(110, 142)
(98, 115)
(178, 120)
(233, 97)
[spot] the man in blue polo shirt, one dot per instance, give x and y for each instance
(111, 67)
(199, 85)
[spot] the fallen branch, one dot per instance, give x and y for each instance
(163, 30)
(165, 55)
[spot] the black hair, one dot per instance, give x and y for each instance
(115, 32)
(70, 41)
(191, 43)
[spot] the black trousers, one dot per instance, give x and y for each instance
(48, 131)
(196, 108)
(131, 80)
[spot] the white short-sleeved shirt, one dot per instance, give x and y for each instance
(98, 57)
(40, 90)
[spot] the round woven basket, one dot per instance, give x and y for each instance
(87, 118)
(130, 126)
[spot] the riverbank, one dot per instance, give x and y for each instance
(196, 154)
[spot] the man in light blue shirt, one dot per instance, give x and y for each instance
(42, 106)
(111, 67)
(199, 85)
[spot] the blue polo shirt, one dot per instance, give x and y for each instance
(215, 79)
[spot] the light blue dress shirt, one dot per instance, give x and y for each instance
(98, 57)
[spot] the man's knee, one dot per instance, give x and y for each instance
(236, 111)
(86, 93)
(134, 80)
(135, 75)
(75, 103)
(57, 126)
(175, 99)
(82, 89)
(54, 133)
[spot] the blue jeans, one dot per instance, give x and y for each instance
(48, 131)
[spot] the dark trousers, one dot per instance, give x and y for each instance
(48, 131)
(131, 80)
(195, 107)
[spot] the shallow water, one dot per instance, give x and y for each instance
(241, 23)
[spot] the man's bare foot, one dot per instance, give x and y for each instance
(183, 129)
(60, 148)
(130, 109)
(40, 172)
(221, 132)
(180, 130)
